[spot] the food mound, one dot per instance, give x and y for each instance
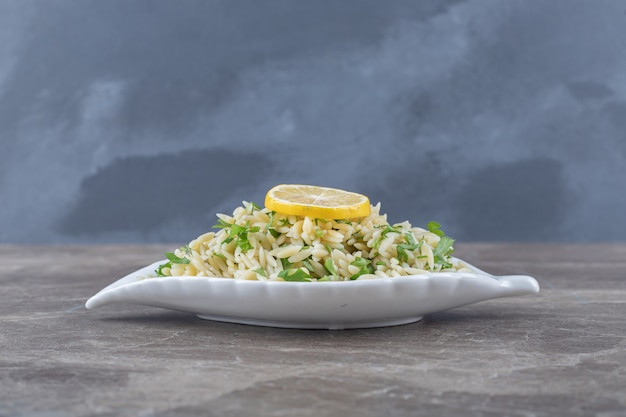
(263, 244)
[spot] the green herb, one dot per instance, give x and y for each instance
(388, 229)
(364, 265)
(240, 233)
(270, 225)
(284, 222)
(271, 222)
(295, 275)
(285, 263)
(219, 255)
(319, 232)
(254, 206)
(360, 262)
(434, 227)
(410, 238)
(402, 255)
(308, 265)
(402, 248)
(221, 224)
(381, 263)
(245, 245)
(175, 259)
(261, 271)
(235, 229)
(443, 251)
(330, 266)
(159, 270)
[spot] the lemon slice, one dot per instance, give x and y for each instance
(318, 202)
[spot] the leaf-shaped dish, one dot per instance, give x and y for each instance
(318, 305)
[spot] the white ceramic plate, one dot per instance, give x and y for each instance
(313, 305)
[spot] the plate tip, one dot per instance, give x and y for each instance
(519, 284)
(532, 285)
(92, 303)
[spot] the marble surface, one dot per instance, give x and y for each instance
(136, 121)
(561, 352)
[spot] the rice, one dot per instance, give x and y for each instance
(260, 244)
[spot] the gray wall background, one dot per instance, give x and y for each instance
(136, 121)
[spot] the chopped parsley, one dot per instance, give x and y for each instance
(285, 263)
(221, 224)
(308, 265)
(389, 229)
(434, 227)
(411, 245)
(270, 225)
(364, 265)
(159, 270)
(284, 222)
(444, 249)
(295, 275)
(238, 233)
(173, 259)
(330, 266)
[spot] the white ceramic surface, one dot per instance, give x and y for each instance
(313, 305)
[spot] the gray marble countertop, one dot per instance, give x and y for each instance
(562, 352)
